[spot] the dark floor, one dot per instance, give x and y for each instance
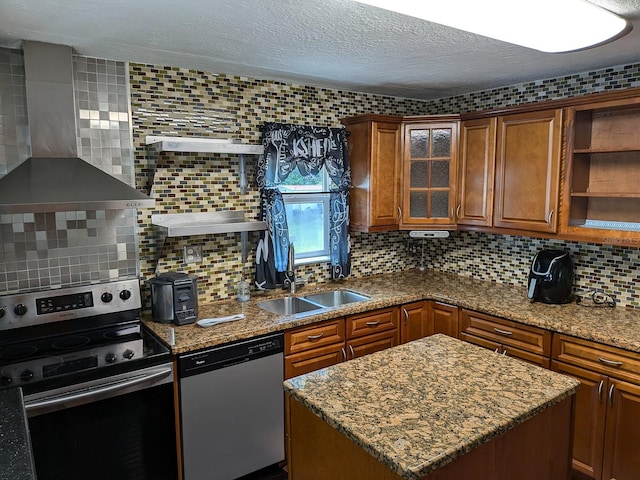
(274, 472)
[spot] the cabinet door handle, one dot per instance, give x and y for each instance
(611, 363)
(406, 316)
(399, 214)
(611, 395)
(497, 350)
(502, 332)
(600, 385)
(353, 354)
(504, 352)
(549, 217)
(458, 211)
(373, 324)
(344, 354)
(315, 337)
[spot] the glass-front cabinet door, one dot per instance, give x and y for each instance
(429, 160)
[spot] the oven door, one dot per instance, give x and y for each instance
(117, 427)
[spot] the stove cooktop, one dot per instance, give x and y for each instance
(48, 337)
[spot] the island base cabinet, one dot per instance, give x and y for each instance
(539, 448)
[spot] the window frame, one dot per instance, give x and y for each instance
(318, 193)
(318, 256)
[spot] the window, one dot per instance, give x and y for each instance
(307, 206)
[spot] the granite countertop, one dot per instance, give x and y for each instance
(421, 405)
(16, 458)
(619, 327)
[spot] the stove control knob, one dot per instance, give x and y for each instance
(125, 294)
(1, 312)
(110, 358)
(5, 381)
(106, 297)
(26, 375)
(128, 354)
(20, 309)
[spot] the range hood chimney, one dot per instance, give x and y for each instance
(54, 178)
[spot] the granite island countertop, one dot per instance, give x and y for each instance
(421, 405)
(618, 327)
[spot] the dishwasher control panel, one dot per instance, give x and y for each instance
(227, 355)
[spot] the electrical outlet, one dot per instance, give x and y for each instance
(193, 253)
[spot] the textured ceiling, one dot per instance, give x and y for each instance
(329, 43)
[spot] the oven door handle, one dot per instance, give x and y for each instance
(99, 390)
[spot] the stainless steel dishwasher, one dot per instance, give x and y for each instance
(232, 408)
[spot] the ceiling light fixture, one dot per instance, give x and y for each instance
(550, 26)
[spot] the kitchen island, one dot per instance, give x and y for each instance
(436, 408)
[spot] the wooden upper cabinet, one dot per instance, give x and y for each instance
(429, 172)
(476, 172)
(375, 156)
(527, 179)
(601, 197)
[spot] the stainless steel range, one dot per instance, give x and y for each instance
(98, 386)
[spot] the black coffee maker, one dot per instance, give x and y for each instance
(551, 277)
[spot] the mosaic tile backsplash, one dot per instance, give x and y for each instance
(181, 102)
(171, 101)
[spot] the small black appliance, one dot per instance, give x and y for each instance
(174, 298)
(551, 277)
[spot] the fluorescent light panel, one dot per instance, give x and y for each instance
(550, 26)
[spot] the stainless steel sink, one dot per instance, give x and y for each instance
(336, 298)
(288, 306)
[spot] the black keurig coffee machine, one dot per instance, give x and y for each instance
(551, 277)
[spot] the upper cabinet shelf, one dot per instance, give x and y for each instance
(602, 193)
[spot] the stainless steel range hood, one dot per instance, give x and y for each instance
(54, 178)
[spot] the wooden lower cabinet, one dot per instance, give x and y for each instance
(442, 318)
(413, 321)
(313, 347)
(589, 415)
(327, 343)
(506, 337)
(606, 438)
(420, 319)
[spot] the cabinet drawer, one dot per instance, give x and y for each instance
(314, 336)
(372, 322)
(376, 342)
(502, 349)
(533, 358)
(314, 359)
(596, 357)
(505, 332)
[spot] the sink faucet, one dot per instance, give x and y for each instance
(289, 275)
